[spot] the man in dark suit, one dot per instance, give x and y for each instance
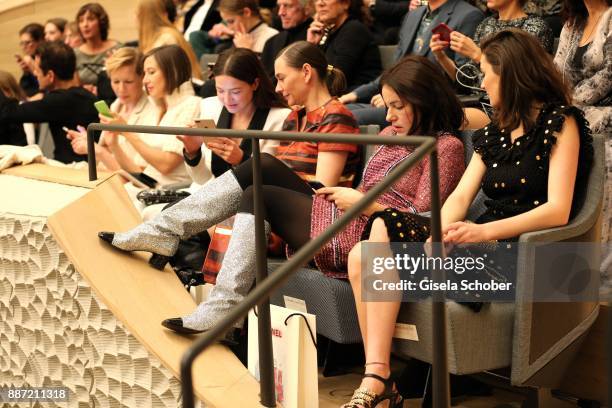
(295, 16)
(414, 37)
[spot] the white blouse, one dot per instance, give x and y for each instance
(211, 108)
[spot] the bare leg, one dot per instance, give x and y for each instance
(376, 319)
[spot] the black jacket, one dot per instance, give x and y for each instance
(352, 49)
(212, 17)
(275, 44)
(61, 108)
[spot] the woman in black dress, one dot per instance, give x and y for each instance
(532, 162)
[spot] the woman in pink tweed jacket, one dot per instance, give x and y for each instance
(419, 102)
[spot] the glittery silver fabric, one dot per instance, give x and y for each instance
(235, 278)
(215, 201)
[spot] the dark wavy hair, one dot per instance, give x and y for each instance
(575, 13)
(421, 83)
(244, 64)
(528, 76)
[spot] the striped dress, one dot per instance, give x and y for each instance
(410, 193)
(301, 157)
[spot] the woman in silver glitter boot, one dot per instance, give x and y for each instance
(304, 79)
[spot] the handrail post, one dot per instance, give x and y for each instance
(266, 356)
(441, 388)
(91, 155)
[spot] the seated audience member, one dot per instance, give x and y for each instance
(54, 29)
(245, 100)
(167, 80)
(155, 30)
(549, 10)
(303, 79)
(245, 25)
(414, 38)
(295, 20)
(388, 16)
(200, 18)
(72, 35)
(584, 57)
(115, 152)
(348, 44)
(64, 104)
(532, 162)
(30, 38)
(509, 14)
(12, 133)
(93, 24)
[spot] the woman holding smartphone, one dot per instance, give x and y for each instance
(305, 79)
(167, 80)
(532, 162)
(115, 152)
(245, 100)
(509, 14)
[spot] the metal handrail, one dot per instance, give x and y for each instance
(259, 296)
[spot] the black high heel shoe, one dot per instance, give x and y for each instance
(176, 324)
(157, 261)
(365, 398)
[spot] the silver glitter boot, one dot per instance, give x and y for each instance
(234, 280)
(212, 203)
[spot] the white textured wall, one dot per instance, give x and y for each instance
(55, 332)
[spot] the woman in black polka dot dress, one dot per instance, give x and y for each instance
(532, 162)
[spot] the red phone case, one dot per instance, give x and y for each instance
(443, 30)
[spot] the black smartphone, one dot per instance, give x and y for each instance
(146, 180)
(315, 185)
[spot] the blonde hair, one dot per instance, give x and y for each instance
(123, 57)
(154, 30)
(10, 88)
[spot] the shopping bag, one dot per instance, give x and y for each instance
(295, 356)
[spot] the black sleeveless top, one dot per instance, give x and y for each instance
(516, 178)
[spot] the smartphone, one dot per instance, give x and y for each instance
(315, 185)
(207, 124)
(103, 109)
(444, 31)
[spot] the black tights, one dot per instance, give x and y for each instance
(273, 173)
(287, 199)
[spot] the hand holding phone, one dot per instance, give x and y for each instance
(103, 109)
(443, 31)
